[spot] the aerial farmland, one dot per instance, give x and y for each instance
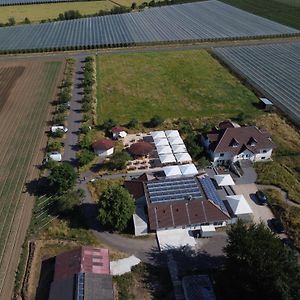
(99, 98)
(27, 87)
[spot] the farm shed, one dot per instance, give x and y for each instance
(118, 132)
(103, 147)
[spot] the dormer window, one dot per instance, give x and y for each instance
(234, 143)
(252, 142)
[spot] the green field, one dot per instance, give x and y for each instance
(295, 3)
(38, 12)
(270, 9)
(187, 84)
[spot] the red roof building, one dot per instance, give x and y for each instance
(117, 129)
(84, 259)
(141, 149)
(103, 144)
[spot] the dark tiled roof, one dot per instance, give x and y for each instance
(181, 213)
(82, 259)
(62, 289)
(135, 188)
(141, 148)
(222, 140)
(103, 144)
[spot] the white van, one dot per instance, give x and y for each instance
(56, 156)
(58, 127)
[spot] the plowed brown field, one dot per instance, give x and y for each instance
(26, 90)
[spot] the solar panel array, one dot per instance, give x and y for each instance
(202, 21)
(80, 286)
(273, 69)
(211, 192)
(185, 188)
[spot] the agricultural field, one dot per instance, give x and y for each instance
(272, 69)
(38, 12)
(179, 84)
(26, 89)
(283, 11)
(198, 21)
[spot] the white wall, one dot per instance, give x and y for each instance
(244, 155)
(104, 153)
(266, 155)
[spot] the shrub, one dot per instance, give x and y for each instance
(118, 160)
(85, 157)
(54, 146)
(132, 123)
(156, 121)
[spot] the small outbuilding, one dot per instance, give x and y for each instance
(224, 180)
(56, 156)
(103, 147)
(240, 207)
(118, 132)
(266, 104)
(140, 149)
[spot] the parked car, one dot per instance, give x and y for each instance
(58, 127)
(276, 225)
(261, 197)
(56, 156)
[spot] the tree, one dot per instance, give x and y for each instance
(119, 159)
(108, 124)
(259, 266)
(133, 5)
(54, 146)
(67, 202)
(156, 121)
(85, 157)
(132, 123)
(11, 21)
(116, 207)
(26, 21)
(62, 178)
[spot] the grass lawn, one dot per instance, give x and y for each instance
(175, 84)
(38, 12)
(273, 10)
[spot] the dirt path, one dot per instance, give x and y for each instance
(282, 192)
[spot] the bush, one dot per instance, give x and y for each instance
(132, 123)
(119, 159)
(58, 133)
(54, 146)
(108, 124)
(85, 141)
(156, 121)
(87, 106)
(59, 118)
(85, 157)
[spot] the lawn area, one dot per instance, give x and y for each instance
(270, 9)
(175, 84)
(38, 12)
(295, 3)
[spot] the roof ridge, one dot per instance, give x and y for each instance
(218, 143)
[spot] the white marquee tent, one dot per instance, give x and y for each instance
(167, 158)
(188, 169)
(176, 140)
(224, 179)
(179, 148)
(172, 133)
(183, 157)
(163, 149)
(161, 142)
(172, 171)
(239, 205)
(158, 134)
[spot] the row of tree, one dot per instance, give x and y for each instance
(86, 154)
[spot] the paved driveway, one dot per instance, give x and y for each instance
(261, 212)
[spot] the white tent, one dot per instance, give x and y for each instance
(163, 149)
(239, 205)
(167, 158)
(188, 169)
(172, 133)
(158, 134)
(161, 142)
(178, 148)
(172, 171)
(183, 157)
(176, 140)
(224, 179)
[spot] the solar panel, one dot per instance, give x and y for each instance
(211, 193)
(173, 189)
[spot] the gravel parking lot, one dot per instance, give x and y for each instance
(261, 212)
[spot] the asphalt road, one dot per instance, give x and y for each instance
(75, 115)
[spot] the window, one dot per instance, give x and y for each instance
(263, 157)
(264, 151)
(221, 154)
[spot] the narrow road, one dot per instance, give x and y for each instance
(75, 115)
(282, 192)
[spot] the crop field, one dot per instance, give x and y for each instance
(40, 12)
(284, 12)
(179, 84)
(199, 21)
(26, 89)
(274, 70)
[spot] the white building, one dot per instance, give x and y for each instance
(230, 144)
(118, 132)
(103, 147)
